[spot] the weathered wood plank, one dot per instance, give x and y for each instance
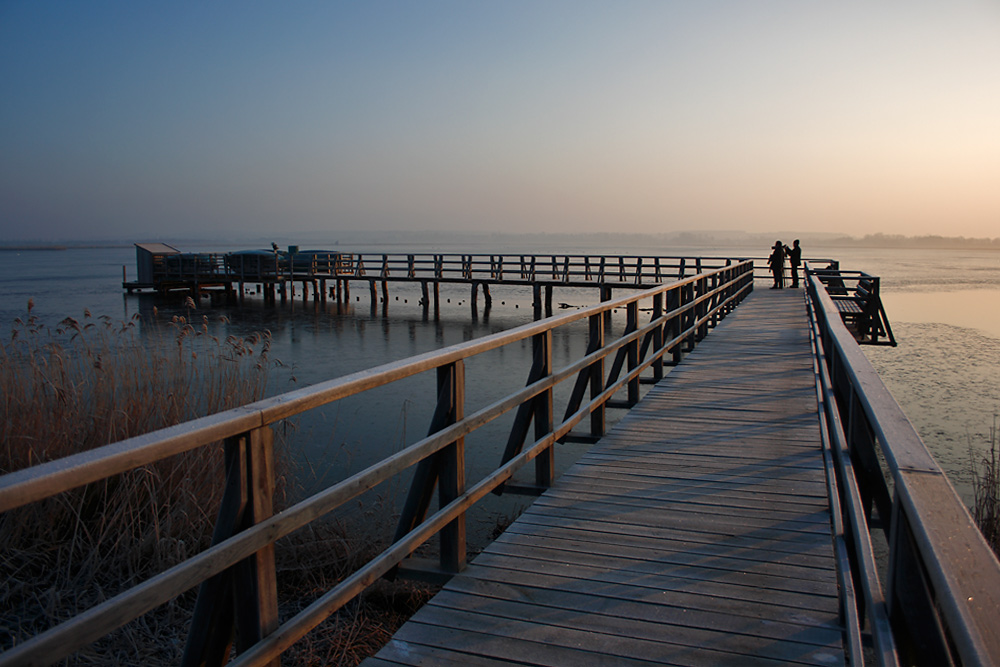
(691, 543)
(692, 628)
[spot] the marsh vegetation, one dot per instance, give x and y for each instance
(92, 381)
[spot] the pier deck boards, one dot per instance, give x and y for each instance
(696, 532)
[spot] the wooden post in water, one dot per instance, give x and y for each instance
(487, 295)
(536, 292)
(548, 301)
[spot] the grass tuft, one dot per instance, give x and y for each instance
(986, 491)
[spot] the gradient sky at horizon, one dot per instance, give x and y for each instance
(124, 119)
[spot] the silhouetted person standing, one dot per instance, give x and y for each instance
(777, 263)
(794, 260)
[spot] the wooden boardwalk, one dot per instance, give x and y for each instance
(696, 532)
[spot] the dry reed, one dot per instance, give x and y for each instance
(92, 381)
(986, 491)
(84, 384)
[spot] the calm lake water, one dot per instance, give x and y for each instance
(944, 307)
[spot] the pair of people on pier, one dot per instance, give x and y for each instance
(777, 263)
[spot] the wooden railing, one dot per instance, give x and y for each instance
(190, 266)
(240, 561)
(625, 270)
(527, 268)
(940, 602)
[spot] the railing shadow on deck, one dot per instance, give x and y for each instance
(243, 541)
(940, 602)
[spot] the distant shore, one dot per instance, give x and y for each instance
(435, 238)
(54, 246)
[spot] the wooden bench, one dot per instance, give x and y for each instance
(856, 303)
(861, 308)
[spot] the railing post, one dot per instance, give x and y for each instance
(920, 638)
(674, 322)
(598, 422)
(241, 601)
(714, 301)
(445, 469)
(658, 335)
(545, 462)
(690, 315)
(701, 309)
(633, 352)
(451, 384)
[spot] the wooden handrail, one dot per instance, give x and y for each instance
(943, 587)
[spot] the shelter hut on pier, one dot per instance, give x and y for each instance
(150, 259)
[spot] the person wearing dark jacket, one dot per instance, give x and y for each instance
(794, 260)
(777, 263)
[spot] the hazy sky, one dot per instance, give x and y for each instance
(131, 119)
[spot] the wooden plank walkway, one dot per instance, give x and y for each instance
(696, 532)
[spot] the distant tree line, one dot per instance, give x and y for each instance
(901, 241)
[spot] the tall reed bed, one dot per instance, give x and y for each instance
(986, 490)
(92, 381)
(86, 383)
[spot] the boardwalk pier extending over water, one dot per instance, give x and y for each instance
(731, 516)
(697, 531)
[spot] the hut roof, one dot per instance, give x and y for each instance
(158, 248)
